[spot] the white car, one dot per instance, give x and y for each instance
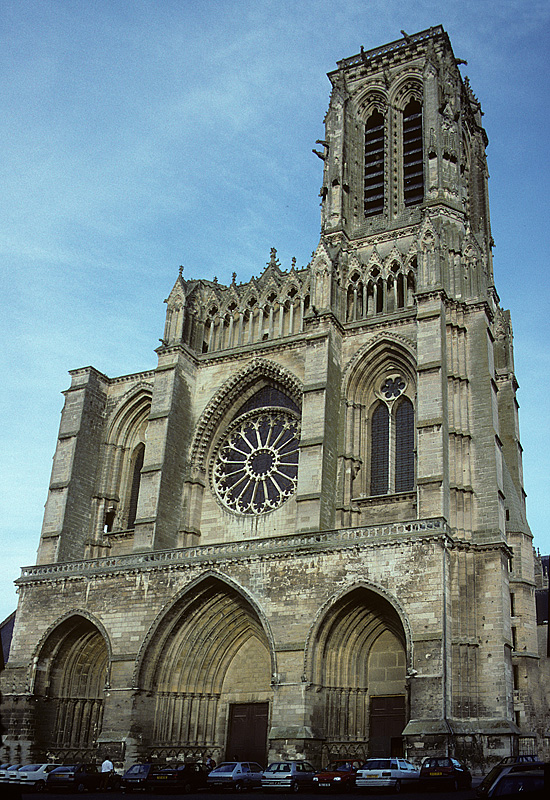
(6, 771)
(386, 773)
(32, 775)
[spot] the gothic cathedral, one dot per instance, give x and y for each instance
(303, 534)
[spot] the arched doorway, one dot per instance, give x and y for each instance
(70, 688)
(358, 666)
(207, 677)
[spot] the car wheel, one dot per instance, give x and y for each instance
(81, 788)
(239, 786)
(397, 787)
(186, 788)
(40, 786)
(295, 787)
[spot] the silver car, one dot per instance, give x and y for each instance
(288, 775)
(238, 775)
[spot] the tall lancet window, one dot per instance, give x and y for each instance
(392, 441)
(404, 446)
(374, 164)
(136, 479)
(413, 159)
(380, 449)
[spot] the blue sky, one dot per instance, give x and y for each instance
(138, 135)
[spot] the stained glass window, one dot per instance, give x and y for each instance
(404, 446)
(256, 467)
(380, 439)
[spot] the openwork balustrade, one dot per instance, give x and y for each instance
(322, 540)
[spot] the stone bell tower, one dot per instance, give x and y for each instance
(405, 217)
(405, 221)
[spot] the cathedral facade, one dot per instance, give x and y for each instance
(304, 533)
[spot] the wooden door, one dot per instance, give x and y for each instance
(387, 720)
(247, 735)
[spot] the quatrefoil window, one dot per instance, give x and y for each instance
(256, 466)
(392, 387)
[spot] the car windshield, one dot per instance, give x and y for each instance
(228, 767)
(437, 762)
(377, 763)
(31, 767)
(65, 769)
(489, 778)
(512, 785)
(138, 769)
(280, 767)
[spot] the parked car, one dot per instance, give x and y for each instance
(6, 770)
(386, 773)
(32, 776)
(338, 776)
(530, 782)
(510, 769)
(238, 775)
(445, 771)
(138, 776)
(288, 775)
(183, 778)
(78, 778)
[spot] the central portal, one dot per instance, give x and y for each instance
(247, 735)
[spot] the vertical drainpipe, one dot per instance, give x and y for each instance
(445, 643)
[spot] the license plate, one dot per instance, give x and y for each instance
(374, 775)
(324, 785)
(436, 774)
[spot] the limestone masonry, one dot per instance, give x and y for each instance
(303, 534)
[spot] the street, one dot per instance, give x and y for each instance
(414, 795)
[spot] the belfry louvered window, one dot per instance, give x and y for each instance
(392, 443)
(374, 164)
(413, 160)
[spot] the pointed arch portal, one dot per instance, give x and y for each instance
(70, 685)
(358, 665)
(208, 661)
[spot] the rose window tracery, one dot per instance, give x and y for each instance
(393, 387)
(256, 465)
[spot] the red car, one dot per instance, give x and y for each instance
(339, 776)
(445, 771)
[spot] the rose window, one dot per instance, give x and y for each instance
(256, 466)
